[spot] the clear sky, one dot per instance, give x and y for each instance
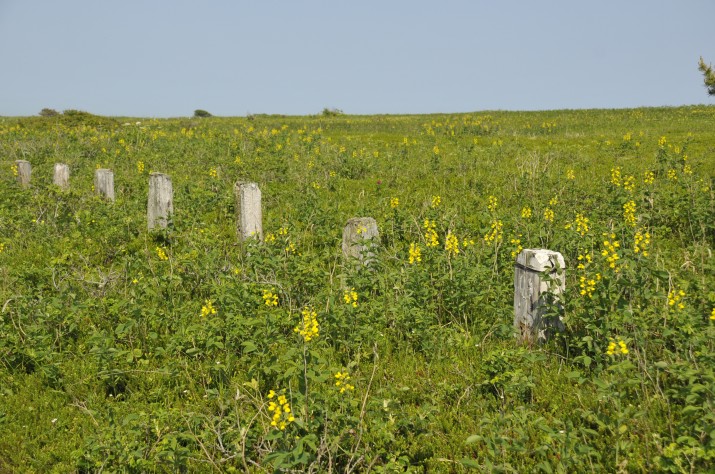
(154, 58)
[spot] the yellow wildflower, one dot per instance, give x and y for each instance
(270, 298)
(351, 297)
(207, 309)
(309, 328)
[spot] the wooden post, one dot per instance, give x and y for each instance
(249, 216)
(24, 170)
(104, 183)
(160, 205)
(358, 238)
(61, 176)
(539, 282)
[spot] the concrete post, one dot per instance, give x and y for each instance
(539, 282)
(104, 183)
(160, 206)
(249, 215)
(24, 171)
(61, 176)
(359, 235)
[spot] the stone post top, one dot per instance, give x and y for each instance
(102, 170)
(21, 161)
(156, 173)
(361, 220)
(539, 260)
(241, 184)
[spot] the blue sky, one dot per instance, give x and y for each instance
(152, 58)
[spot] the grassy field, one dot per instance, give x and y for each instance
(187, 351)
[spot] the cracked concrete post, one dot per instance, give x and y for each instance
(359, 235)
(24, 171)
(249, 215)
(539, 282)
(160, 205)
(61, 176)
(104, 183)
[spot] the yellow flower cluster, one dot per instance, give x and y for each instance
(648, 177)
(581, 224)
(213, 173)
(269, 238)
(617, 348)
(161, 253)
(525, 212)
(309, 329)
(208, 309)
(351, 297)
(609, 251)
(15, 171)
(2, 247)
(283, 231)
(140, 167)
(661, 142)
(495, 234)
(341, 381)
(451, 244)
(629, 183)
(584, 260)
(712, 315)
(415, 253)
(616, 176)
(516, 242)
(281, 414)
(492, 204)
(394, 202)
(629, 213)
(549, 214)
(570, 175)
(290, 248)
(554, 201)
(431, 238)
(672, 175)
(675, 298)
(435, 150)
(641, 242)
(270, 298)
(588, 286)
(436, 201)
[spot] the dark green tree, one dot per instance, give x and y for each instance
(709, 75)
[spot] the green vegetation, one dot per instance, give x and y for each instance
(187, 351)
(708, 76)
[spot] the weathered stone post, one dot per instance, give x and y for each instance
(539, 282)
(160, 205)
(24, 170)
(249, 215)
(358, 236)
(61, 176)
(104, 183)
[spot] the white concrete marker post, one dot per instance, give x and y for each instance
(104, 183)
(24, 172)
(249, 215)
(359, 235)
(61, 176)
(160, 205)
(539, 282)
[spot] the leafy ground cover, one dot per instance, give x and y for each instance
(186, 350)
